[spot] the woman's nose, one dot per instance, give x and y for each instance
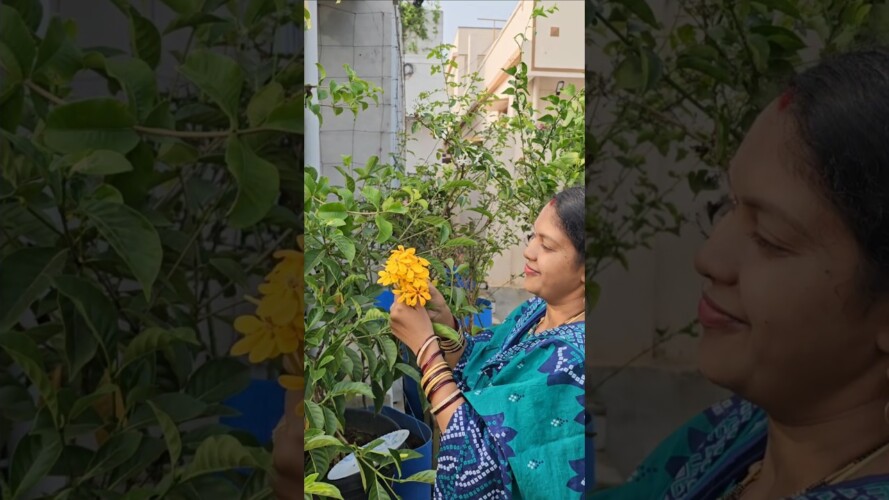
(717, 259)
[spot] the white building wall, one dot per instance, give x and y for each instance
(365, 36)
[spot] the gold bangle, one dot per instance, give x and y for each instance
(438, 367)
(446, 401)
(425, 346)
(434, 381)
(425, 381)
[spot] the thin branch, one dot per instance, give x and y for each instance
(159, 132)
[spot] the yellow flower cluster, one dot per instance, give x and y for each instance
(410, 275)
(278, 327)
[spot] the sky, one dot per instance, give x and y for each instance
(458, 13)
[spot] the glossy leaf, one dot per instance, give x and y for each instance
(218, 76)
(34, 457)
(216, 454)
(102, 162)
(171, 433)
(138, 80)
(91, 124)
(25, 275)
(258, 184)
(16, 37)
(218, 379)
(131, 236)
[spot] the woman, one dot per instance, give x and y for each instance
(509, 401)
(795, 310)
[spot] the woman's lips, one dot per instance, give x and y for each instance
(529, 271)
(711, 315)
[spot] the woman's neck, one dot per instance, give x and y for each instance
(799, 455)
(571, 309)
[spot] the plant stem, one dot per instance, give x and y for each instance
(160, 132)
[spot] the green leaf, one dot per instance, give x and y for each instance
(14, 34)
(322, 490)
(377, 491)
(102, 163)
(345, 245)
(258, 184)
(344, 388)
(460, 242)
(759, 47)
(26, 355)
(332, 210)
(24, 277)
(96, 309)
(390, 349)
(385, 228)
(177, 153)
(85, 402)
(114, 452)
(409, 370)
(131, 236)
(138, 80)
(150, 450)
(12, 107)
(107, 192)
(216, 454)
(231, 270)
(263, 102)
(58, 58)
(315, 414)
(80, 344)
(171, 433)
(30, 10)
(321, 441)
(287, 117)
(218, 379)
(704, 66)
(180, 407)
(628, 74)
(91, 124)
(34, 457)
(183, 6)
(445, 331)
(156, 339)
(426, 476)
(642, 10)
(219, 77)
(145, 39)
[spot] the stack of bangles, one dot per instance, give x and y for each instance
(436, 375)
(450, 346)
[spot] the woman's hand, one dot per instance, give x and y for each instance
(438, 309)
(411, 325)
(287, 454)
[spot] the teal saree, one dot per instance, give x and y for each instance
(521, 432)
(709, 455)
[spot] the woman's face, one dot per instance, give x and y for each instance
(784, 265)
(553, 271)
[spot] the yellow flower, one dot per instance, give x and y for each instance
(410, 275)
(263, 339)
(283, 300)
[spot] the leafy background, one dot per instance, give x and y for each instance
(130, 224)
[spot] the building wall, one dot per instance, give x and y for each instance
(365, 36)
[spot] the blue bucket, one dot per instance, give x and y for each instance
(261, 406)
(413, 490)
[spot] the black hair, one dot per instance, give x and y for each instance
(841, 111)
(570, 210)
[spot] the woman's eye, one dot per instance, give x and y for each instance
(766, 244)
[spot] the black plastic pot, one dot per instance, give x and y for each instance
(364, 421)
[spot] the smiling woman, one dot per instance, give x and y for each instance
(509, 401)
(795, 310)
